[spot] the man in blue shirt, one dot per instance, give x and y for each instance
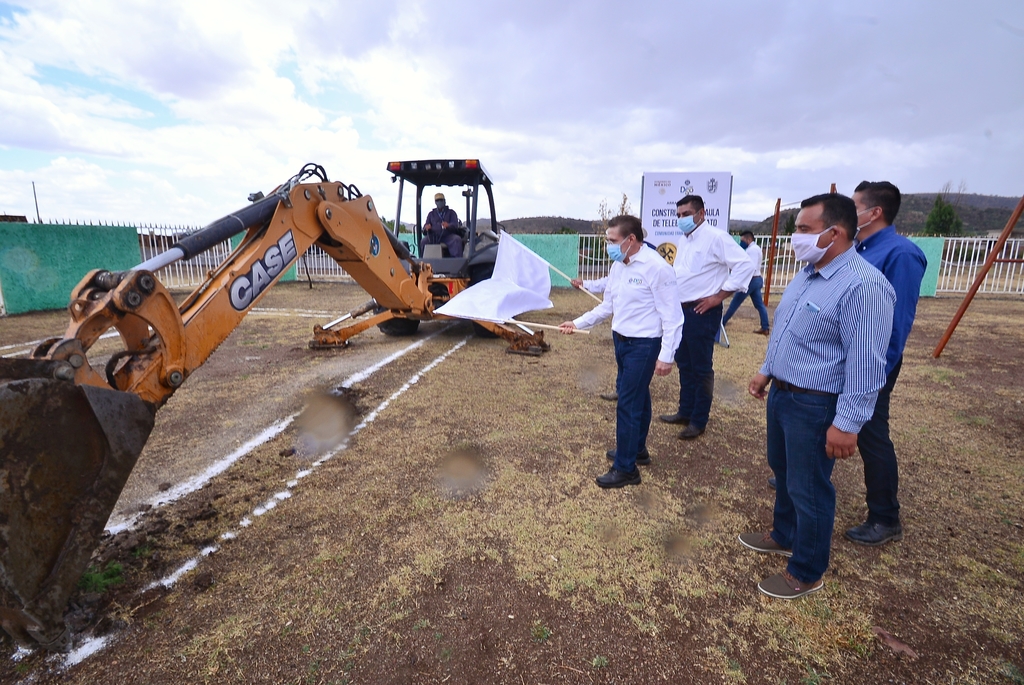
(903, 264)
(442, 228)
(826, 364)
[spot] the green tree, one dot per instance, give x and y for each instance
(943, 220)
(789, 227)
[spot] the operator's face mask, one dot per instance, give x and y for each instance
(440, 204)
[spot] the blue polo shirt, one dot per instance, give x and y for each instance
(903, 264)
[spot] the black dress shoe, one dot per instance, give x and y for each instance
(610, 396)
(643, 458)
(772, 483)
(617, 479)
(675, 418)
(690, 432)
(874, 534)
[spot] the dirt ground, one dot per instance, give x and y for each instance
(459, 538)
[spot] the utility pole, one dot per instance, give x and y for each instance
(36, 198)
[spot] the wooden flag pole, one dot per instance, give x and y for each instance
(563, 275)
(544, 325)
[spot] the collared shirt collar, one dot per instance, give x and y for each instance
(691, 234)
(888, 230)
(832, 267)
(641, 255)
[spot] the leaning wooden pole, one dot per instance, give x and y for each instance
(833, 190)
(992, 259)
(771, 252)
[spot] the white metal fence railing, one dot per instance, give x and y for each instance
(189, 273)
(962, 258)
(186, 273)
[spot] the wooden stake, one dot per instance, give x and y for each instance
(543, 325)
(992, 255)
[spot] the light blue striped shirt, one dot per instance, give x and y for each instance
(830, 334)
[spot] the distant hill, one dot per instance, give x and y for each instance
(981, 214)
(558, 224)
(545, 224)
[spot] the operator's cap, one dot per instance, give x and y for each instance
(438, 196)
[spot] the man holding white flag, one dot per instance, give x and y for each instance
(642, 298)
(520, 283)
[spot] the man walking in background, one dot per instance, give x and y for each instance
(826, 364)
(753, 288)
(642, 299)
(709, 267)
(903, 264)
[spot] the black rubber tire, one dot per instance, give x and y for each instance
(397, 328)
(477, 273)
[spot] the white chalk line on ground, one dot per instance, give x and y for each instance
(93, 645)
(277, 497)
(269, 433)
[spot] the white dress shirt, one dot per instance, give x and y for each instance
(756, 257)
(709, 260)
(643, 300)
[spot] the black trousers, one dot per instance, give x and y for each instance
(881, 473)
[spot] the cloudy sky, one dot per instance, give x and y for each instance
(174, 111)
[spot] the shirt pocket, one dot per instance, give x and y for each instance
(810, 323)
(695, 262)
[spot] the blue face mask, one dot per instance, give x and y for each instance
(685, 224)
(615, 252)
(744, 245)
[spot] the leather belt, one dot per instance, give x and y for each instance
(789, 387)
(691, 304)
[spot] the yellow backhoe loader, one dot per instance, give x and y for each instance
(70, 434)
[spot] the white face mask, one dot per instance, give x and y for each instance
(805, 246)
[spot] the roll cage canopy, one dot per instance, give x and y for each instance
(447, 172)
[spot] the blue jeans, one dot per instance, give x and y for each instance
(805, 499)
(695, 358)
(635, 358)
(754, 290)
(881, 473)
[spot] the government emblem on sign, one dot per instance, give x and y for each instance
(668, 252)
(712, 185)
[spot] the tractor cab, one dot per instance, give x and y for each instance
(479, 241)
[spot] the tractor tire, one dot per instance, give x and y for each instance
(477, 273)
(397, 328)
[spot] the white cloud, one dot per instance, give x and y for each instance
(176, 110)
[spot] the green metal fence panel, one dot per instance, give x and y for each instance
(561, 250)
(292, 274)
(932, 248)
(41, 263)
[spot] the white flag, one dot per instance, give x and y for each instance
(521, 283)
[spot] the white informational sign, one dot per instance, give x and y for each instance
(661, 191)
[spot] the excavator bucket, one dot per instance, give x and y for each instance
(65, 454)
